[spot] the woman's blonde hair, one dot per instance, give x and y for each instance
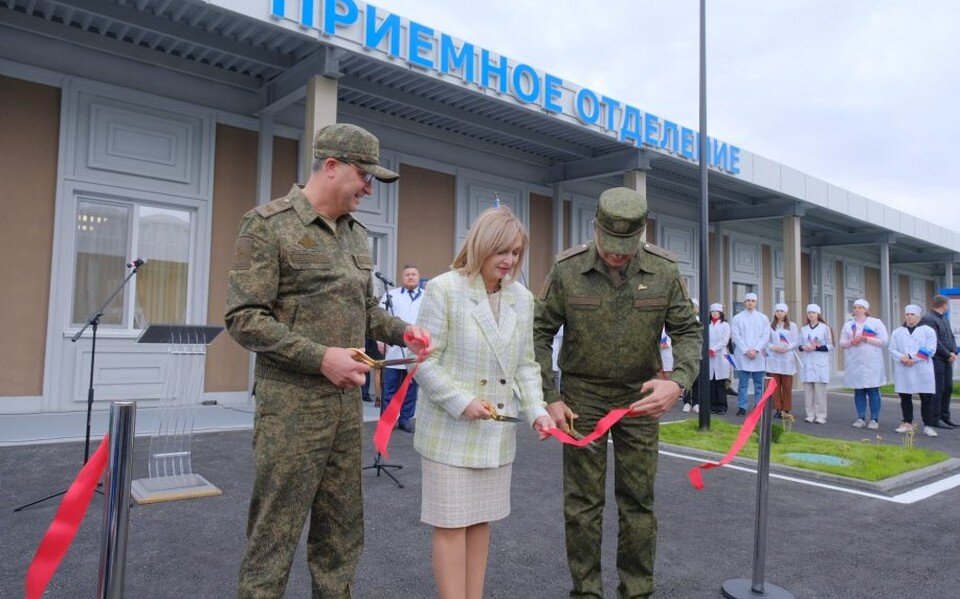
(495, 230)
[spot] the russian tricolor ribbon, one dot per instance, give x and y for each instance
(924, 353)
(56, 542)
(696, 479)
(381, 436)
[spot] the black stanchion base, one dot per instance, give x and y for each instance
(383, 467)
(742, 588)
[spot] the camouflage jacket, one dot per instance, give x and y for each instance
(611, 338)
(296, 288)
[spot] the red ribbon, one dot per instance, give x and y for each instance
(612, 417)
(55, 543)
(742, 437)
(381, 436)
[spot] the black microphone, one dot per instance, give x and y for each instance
(137, 263)
(386, 281)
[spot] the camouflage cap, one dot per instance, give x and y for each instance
(621, 218)
(356, 145)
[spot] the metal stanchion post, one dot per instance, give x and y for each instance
(743, 588)
(116, 507)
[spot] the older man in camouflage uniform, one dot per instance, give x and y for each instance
(300, 294)
(613, 297)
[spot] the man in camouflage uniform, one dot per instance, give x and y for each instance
(300, 294)
(613, 296)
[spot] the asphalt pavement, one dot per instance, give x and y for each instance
(821, 542)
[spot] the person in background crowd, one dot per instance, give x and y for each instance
(863, 338)
(816, 343)
(719, 359)
(912, 347)
(404, 303)
(750, 330)
(783, 340)
(691, 397)
(943, 360)
(481, 320)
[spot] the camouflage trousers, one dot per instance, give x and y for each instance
(307, 451)
(635, 444)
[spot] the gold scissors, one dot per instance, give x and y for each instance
(360, 356)
(495, 415)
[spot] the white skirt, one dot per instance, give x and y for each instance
(457, 497)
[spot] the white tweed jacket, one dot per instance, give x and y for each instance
(475, 356)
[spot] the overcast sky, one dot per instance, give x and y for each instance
(855, 92)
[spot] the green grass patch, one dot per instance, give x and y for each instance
(889, 390)
(871, 459)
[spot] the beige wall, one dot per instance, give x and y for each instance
(284, 166)
(541, 239)
(29, 140)
(904, 289)
(425, 227)
(234, 193)
(931, 291)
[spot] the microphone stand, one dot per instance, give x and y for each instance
(94, 322)
(378, 464)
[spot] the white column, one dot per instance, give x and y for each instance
(948, 275)
(321, 111)
(821, 292)
(885, 297)
(791, 264)
(265, 159)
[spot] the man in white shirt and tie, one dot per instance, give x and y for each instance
(750, 330)
(404, 304)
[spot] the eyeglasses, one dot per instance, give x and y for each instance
(367, 177)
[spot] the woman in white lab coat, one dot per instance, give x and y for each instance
(912, 347)
(784, 337)
(863, 338)
(816, 345)
(719, 359)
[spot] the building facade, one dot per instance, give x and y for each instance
(147, 129)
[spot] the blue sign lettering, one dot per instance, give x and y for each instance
(439, 53)
(332, 18)
(421, 38)
(451, 59)
(373, 35)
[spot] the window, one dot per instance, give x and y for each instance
(740, 290)
(779, 296)
(111, 233)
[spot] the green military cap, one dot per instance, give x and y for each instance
(356, 145)
(621, 217)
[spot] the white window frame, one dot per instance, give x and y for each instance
(64, 271)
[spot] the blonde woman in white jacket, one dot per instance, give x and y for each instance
(481, 323)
